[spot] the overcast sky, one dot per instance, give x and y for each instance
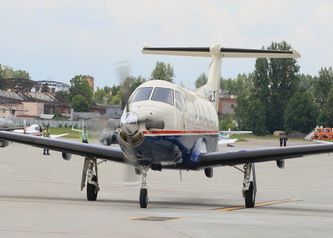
(58, 39)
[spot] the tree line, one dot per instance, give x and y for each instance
(275, 96)
(117, 94)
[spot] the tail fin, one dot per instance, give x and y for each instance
(211, 89)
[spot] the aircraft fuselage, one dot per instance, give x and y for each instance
(190, 126)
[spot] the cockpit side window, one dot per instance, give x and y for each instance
(163, 95)
(178, 101)
(141, 94)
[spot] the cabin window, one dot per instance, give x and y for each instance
(163, 95)
(141, 94)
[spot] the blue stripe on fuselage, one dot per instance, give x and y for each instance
(178, 150)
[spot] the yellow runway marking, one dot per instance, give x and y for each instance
(258, 205)
(283, 213)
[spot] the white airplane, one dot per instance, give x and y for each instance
(165, 126)
(224, 136)
(36, 130)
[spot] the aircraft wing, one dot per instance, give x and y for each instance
(322, 142)
(77, 148)
(57, 136)
(261, 155)
(227, 141)
(10, 128)
(237, 132)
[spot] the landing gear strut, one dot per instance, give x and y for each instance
(144, 189)
(249, 187)
(90, 171)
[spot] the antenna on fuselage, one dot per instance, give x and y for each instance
(216, 52)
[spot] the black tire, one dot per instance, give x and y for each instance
(92, 190)
(250, 196)
(143, 198)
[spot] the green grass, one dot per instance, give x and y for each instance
(63, 130)
(243, 138)
(71, 134)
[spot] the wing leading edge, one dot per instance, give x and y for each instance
(260, 155)
(83, 149)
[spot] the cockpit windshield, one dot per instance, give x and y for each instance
(141, 94)
(163, 95)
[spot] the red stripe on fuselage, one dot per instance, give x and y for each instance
(178, 132)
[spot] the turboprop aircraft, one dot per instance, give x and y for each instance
(165, 126)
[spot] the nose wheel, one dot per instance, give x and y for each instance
(143, 198)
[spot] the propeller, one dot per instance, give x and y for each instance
(130, 178)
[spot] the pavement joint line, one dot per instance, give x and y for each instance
(95, 204)
(258, 204)
(154, 218)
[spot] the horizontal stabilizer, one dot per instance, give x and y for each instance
(221, 52)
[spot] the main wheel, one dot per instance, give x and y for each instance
(250, 196)
(92, 190)
(143, 198)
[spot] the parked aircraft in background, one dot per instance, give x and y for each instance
(224, 136)
(165, 126)
(36, 130)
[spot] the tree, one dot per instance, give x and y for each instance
(322, 85)
(226, 122)
(228, 85)
(243, 85)
(325, 117)
(163, 72)
(275, 81)
(301, 113)
(80, 104)
(100, 96)
(63, 97)
(253, 116)
(243, 90)
(7, 73)
(202, 80)
(256, 117)
(80, 84)
(127, 88)
(306, 83)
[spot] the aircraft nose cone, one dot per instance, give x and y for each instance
(129, 123)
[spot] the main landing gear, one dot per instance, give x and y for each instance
(249, 187)
(90, 171)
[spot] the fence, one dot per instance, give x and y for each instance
(52, 123)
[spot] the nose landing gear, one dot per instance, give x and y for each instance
(143, 198)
